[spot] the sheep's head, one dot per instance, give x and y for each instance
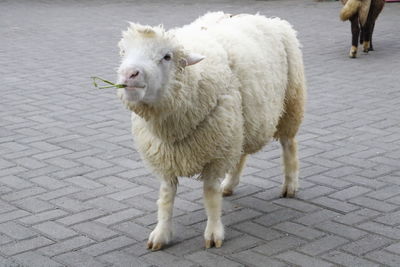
(151, 58)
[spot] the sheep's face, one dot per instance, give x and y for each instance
(150, 60)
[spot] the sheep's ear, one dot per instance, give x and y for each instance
(192, 59)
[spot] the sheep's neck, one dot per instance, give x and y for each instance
(176, 123)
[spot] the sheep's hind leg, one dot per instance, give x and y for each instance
(162, 234)
(214, 232)
(233, 177)
(291, 167)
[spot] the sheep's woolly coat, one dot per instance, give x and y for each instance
(228, 104)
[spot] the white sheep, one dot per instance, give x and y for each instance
(245, 86)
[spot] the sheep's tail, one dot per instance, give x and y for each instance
(350, 8)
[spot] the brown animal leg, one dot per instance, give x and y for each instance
(366, 29)
(371, 48)
(355, 31)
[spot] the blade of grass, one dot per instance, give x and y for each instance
(111, 85)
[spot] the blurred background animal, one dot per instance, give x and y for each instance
(362, 15)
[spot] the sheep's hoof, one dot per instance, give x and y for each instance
(154, 246)
(159, 237)
(366, 50)
(227, 193)
(216, 243)
(289, 190)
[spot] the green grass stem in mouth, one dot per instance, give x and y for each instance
(111, 85)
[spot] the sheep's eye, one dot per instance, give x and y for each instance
(167, 57)
(122, 52)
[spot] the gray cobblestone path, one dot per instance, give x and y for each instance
(73, 192)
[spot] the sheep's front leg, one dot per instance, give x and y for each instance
(162, 234)
(214, 233)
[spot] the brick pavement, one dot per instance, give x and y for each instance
(74, 192)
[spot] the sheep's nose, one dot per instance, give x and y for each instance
(131, 74)
(134, 74)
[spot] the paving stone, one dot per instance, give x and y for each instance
(346, 259)
(341, 230)
(83, 182)
(357, 216)
(239, 243)
(76, 258)
(384, 258)
(328, 181)
(140, 190)
(164, 259)
(277, 217)
(251, 258)
(317, 217)
(33, 205)
(120, 216)
(390, 219)
(48, 182)
(301, 259)
(121, 259)
(81, 217)
(395, 248)
(381, 229)
(59, 193)
(4, 239)
(314, 192)
(106, 204)
(276, 246)
(54, 230)
(335, 205)
(299, 230)
(366, 244)
(206, 258)
(69, 204)
(258, 231)
(24, 245)
(5, 207)
(95, 231)
(350, 192)
(88, 194)
(64, 246)
(33, 259)
(296, 204)
(385, 193)
(12, 215)
(323, 245)
(240, 215)
(15, 182)
(133, 230)
(117, 182)
(109, 245)
(16, 231)
(373, 204)
(16, 195)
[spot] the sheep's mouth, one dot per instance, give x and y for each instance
(135, 87)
